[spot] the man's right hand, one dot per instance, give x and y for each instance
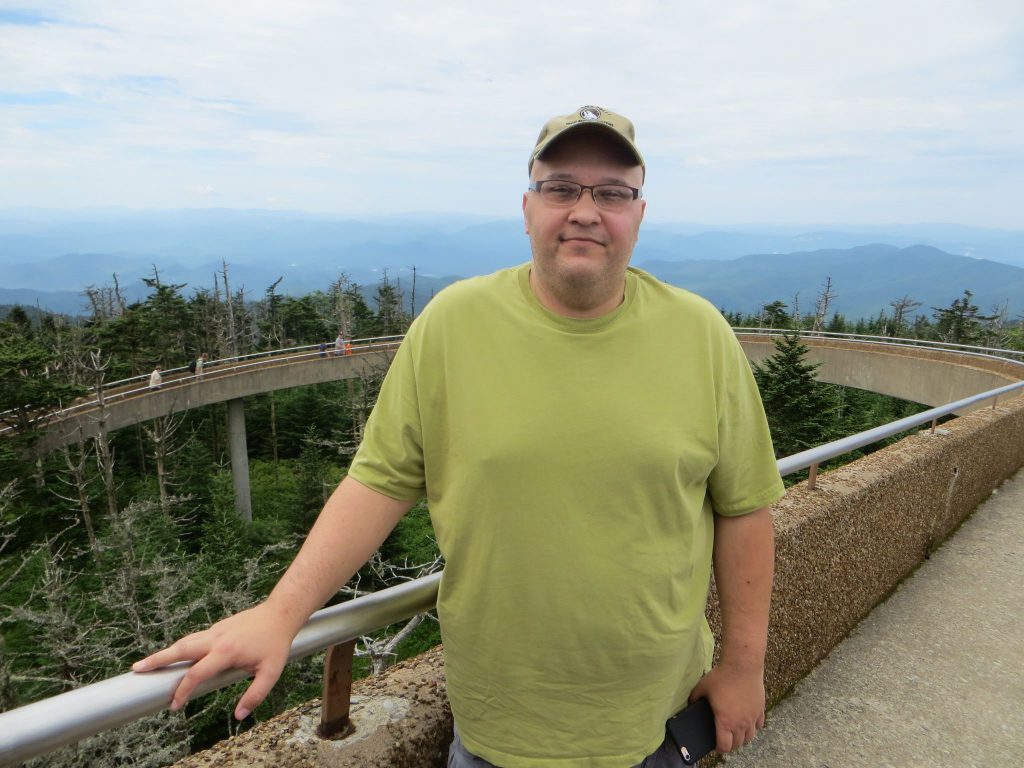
(257, 640)
(353, 524)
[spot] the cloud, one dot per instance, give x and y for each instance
(340, 106)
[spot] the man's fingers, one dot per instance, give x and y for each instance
(183, 650)
(748, 735)
(160, 659)
(723, 738)
(198, 673)
(257, 691)
(730, 738)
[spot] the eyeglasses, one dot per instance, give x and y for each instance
(561, 194)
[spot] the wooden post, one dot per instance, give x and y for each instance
(812, 477)
(334, 707)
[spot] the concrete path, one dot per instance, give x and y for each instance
(932, 677)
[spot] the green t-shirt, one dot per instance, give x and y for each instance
(571, 468)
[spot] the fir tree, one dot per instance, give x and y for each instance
(800, 410)
(960, 322)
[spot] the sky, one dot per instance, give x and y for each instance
(773, 111)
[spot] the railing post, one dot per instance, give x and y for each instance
(812, 477)
(934, 422)
(337, 697)
(994, 401)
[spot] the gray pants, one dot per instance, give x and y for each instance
(664, 756)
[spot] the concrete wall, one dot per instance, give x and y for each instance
(841, 548)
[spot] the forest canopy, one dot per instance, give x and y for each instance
(113, 548)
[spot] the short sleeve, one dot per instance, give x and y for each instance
(390, 458)
(746, 476)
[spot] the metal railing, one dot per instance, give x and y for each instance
(139, 385)
(51, 723)
(812, 458)
(948, 346)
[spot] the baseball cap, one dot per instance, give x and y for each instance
(588, 118)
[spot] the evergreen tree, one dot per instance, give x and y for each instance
(391, 318)
(837, 324)
(364, 323)
(801, 411)
(960, 322)
(774, 315)
(27, 391)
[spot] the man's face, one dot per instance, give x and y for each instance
(580, 253)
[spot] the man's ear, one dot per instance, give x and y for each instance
(526, 222)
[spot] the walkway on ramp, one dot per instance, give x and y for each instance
(934, 676)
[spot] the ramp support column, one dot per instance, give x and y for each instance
(239, 457)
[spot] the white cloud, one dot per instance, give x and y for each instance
(358, 108)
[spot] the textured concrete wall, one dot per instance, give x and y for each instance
(840, 549)
(402, 720)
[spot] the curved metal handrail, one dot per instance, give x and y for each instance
(51, 723)
(114, 392)
(822, 453)
(894, 340)
(235, 364)
(299, 352)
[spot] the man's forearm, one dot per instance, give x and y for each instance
(352, 525)
(744, 561)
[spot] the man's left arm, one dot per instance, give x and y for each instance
(744, 562)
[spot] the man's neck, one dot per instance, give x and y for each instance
(581, 304)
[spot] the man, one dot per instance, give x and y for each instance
(586, 437)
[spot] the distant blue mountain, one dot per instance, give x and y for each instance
(51, 256)
(865, 279)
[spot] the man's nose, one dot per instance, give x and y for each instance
(585, 209)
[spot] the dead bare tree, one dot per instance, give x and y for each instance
(134, 606)
(273, 333)
(900, 308)
(8, 525)
(362, 396)
(160, 432)
(412, 298)
(993, 331)
(822, 304)
(95, 367)
(382, 650)
(232, 337)
(76, 459)
(342, 304)
(106, 301)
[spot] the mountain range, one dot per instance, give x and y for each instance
(49, 257)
